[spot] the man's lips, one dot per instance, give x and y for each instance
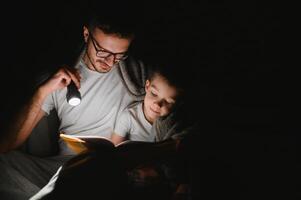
(103, 65)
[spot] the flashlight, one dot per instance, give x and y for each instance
(73, 95)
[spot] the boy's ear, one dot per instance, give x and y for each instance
(147, 85)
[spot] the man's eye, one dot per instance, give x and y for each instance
(101, 49)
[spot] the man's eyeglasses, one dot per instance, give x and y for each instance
(103, 53)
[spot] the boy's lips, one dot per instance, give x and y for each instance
(157, 113)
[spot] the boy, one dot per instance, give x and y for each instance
(136, 121)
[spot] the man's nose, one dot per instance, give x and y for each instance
(110, 60)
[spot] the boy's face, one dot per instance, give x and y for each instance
(159, 99)
(109, 45)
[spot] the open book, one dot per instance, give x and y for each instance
(132, 151)
(81, 143)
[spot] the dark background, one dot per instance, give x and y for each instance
(243, 91)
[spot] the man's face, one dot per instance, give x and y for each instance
(112, 46)
(159, 99)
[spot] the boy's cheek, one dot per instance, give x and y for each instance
(164, 112)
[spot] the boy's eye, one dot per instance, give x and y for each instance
(169, 104)
(153, 94)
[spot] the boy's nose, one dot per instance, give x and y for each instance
(159, 104)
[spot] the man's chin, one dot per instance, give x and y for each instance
(103, 69)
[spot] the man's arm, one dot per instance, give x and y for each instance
(26, 120)
(32, 113)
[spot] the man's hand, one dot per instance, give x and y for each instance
(60, 79)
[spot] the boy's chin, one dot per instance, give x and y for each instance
(154, 118)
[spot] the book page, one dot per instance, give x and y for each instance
(80, 143)
(132, 143)
(76, 144)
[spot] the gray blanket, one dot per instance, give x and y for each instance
(23, 175)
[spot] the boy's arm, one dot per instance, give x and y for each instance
(116, 139)
(122, 128)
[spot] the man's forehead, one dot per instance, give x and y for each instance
(110, 42)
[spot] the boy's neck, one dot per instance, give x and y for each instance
(147, 118)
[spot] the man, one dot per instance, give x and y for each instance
(159, 175)
(107, 82)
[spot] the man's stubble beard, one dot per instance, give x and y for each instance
(90, 64)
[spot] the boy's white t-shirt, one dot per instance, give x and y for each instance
(132, 124)
(104, 96)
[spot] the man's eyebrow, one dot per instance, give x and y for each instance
(99, 46)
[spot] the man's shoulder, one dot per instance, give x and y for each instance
(134, 73)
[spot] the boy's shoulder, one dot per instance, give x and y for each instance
(133, 110)
(134, 106)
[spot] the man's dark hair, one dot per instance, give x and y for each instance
(119, 22)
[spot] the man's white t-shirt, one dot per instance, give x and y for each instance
(104, 96)
(132, 124)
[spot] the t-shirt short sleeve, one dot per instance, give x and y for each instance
(48, 104)
(123, 124)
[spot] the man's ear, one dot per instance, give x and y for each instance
(86, 33)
